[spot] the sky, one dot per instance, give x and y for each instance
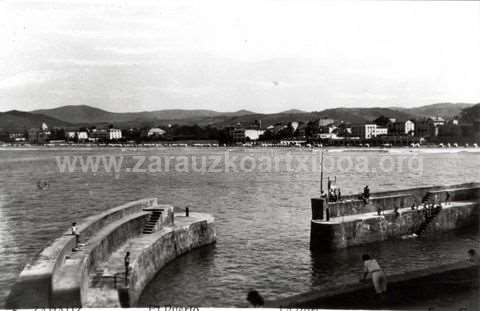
(262, 55)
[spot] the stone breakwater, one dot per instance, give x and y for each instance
(393, 214)
(93, 274)
(404, 290)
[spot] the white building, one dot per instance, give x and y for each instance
(114, 134)
(294, 125)
(379, 131)
(325, 122)
(402, 128)
(70, 134)
(253, 134)
(368, 131)
(156, 132)
(409, 127)
(82, 135)
(326, 136)
(364, 131)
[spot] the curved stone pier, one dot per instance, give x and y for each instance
(148, 254)
(65, 276)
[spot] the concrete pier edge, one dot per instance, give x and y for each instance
(362, 295)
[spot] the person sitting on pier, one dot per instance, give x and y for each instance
(372, 267)
(473, 257)
(75, 233)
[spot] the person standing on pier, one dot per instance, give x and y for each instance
(379, 279)
(366, 192)
(127, 265)
(75, 233)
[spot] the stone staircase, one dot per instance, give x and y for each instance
(149, 227)
(428, 219)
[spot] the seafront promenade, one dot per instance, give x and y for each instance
(92, 273)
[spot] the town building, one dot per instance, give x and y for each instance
(97, 135)
(380, 131)
(70, 135)
(367, 131)
(294, 125)
(253, 134)
(429, 127)
(17, 137)
(156, 132)
(325, 122)
(241, 134)
(114, 134)
(237, 134)
(82, 135)
(451, 129)
(401, 128)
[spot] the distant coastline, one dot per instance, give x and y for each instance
(333, 149)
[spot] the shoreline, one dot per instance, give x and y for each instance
(333, 149)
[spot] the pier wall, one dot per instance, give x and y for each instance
(338, 234)
(417, 192)
(351, 207)
(173, 243)
(388, 200)
(70, 287)
(34, 284)
(402, 289)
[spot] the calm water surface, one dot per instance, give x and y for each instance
(262, 218)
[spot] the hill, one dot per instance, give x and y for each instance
(86, 115)
(83, 114)
(294, 111)
(471, 114)
(15, 120)
(444, 110)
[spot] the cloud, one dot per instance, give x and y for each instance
(132, 51)
(24, 79)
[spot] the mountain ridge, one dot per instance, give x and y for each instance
(84, 115)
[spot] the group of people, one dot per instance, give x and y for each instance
(334, 195)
